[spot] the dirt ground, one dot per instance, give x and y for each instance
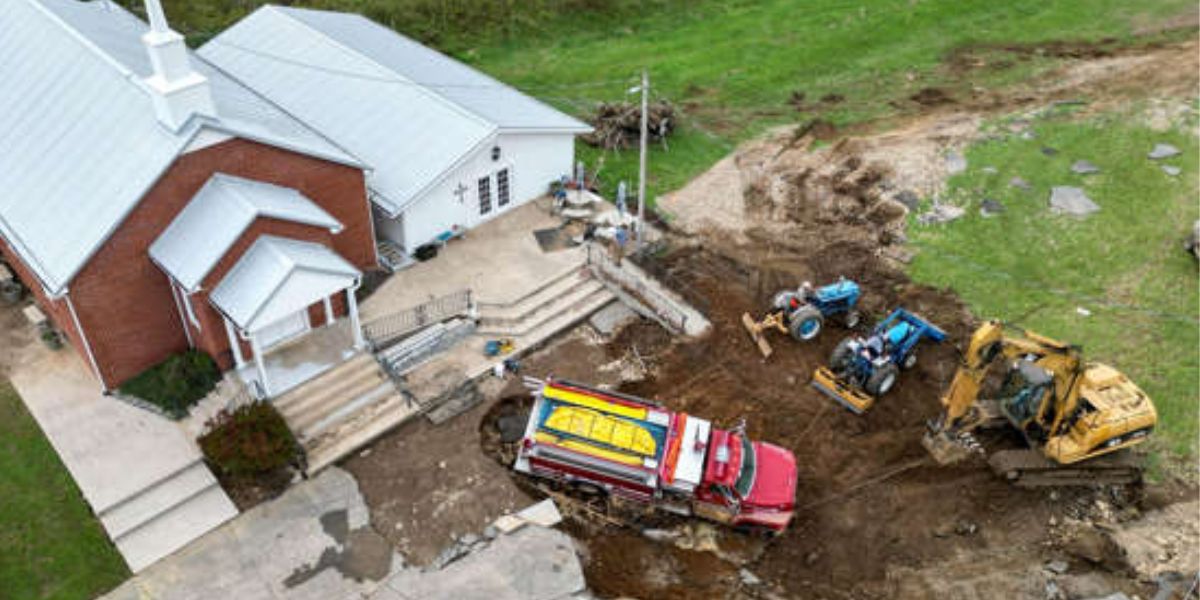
(875, 517)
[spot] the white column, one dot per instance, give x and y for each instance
(328, 311)
(234, 345)
(359, 343)
(258, 364)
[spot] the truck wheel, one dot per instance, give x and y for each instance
(851, 318)
(805, 323)
(910, 361)
(882, 380)
(840, 359)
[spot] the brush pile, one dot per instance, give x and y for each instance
(618, 124)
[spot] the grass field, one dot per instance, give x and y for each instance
(734, 65)
(1124, 264)
(52, 545)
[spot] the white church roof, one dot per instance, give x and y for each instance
(218, 215)
(81, 142)
(412, 113)
(278, 277)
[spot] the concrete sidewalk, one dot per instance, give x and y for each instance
(315, 542)
(142, 476)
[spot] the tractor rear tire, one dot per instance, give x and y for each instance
(882, 380)
(842, 355)
(805, 323)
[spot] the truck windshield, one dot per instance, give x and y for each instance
(745, 480)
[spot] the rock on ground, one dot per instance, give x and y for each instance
(1019, 183)
(1163, 541)
(1084, 167)
(1069, 200)
(990, 207)
(955, 162)
(941, 213)
(1161, 151)
(1173, 171)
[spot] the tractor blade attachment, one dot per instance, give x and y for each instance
(846, 394)
(755, 329)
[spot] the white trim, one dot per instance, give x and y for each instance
(234, 344)
(87, 346)
(352, 306)
(328, 310)
(259, 366)
(179, 309)
(187, 305)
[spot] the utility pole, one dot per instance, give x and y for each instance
(641, 222)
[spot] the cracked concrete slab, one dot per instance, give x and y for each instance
(314, 541)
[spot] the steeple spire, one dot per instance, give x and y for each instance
(179, 91)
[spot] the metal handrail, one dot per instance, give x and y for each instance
(382, 330)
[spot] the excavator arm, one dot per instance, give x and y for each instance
(962, 410)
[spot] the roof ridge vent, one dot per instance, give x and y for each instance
(179, 91)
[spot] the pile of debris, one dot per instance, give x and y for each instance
(618, 124)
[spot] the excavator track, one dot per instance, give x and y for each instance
(1028, 468)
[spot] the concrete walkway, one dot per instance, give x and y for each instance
(315, 542)
(141, 475)
(498, 261)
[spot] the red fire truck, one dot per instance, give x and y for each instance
(611, 443)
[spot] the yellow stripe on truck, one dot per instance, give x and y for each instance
(621, 457)
(594, 403)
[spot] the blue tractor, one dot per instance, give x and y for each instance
(801, 312)
(863, 369)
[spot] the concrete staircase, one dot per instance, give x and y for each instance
(560, 302)
(164, 516)
(343, 409)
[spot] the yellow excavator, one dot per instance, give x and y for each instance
(1073, 415)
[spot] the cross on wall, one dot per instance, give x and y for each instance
(461, 192)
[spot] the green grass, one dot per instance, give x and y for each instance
(733, 65)
(52, 546)
(1125, 264)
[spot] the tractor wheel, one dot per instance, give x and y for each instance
(882, 380)
(910, 361)
(850, 319)
(842, 355)
(805, 323)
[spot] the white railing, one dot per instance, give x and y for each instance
(388, 328)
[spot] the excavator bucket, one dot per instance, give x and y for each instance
(756, 328)
(947, 450)
(846, 394)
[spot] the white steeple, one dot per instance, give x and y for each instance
(179, 92)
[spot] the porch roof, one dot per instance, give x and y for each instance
(278, 277)
(218, 215)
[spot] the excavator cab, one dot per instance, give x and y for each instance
(1024, 393)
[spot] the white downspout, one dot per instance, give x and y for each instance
(359, 342)
(87, 346)
(234, 344)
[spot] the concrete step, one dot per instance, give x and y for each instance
(544, 294)
(174, 528)
(324, 400)
(350, 409)
(142, 507)
(546, 311)
(328, 382)
(359, 431)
